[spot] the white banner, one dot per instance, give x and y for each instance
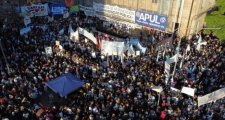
(26, 20)
(114, 11)
(112, 48)
(35, 10)
(25, 30)
(48, 50)
(211, 97)
(89, 11)
(188, 91)
(88, 35)
(158, 89)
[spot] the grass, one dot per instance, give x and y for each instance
(217, 19)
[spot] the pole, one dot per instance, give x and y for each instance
(174, 69)
(4, 56)
(158, 99)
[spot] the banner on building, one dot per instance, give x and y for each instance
(89, 11)
(151, 20)
(57, 9)
(114, 11)
(35, 10)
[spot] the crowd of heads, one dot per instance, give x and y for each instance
(113, 89)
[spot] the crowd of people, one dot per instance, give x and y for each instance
(113, 89)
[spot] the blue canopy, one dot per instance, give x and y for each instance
(65, 84)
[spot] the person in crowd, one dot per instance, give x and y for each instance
(113, 90)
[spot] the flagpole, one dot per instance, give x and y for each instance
(176, 59)
(158, 99)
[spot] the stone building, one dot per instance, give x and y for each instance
(187, 15)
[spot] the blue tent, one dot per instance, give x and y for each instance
(65, 84)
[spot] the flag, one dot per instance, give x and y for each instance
(167, 68)
(69, 3)
(200, 39)
(199, 45)
(181, 63)
(178, 47)
(74, 36)
(26, 20)
(50, 19)
(157, 56)
(66, 14)
(74, 9)
(121, 58)
(172, 59)
(158, 89)
(61, 32)
(188, 48)
(70, 29)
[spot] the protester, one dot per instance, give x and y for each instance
(114, 89)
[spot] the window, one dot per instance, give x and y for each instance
(154, 1)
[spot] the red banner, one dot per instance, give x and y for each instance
(69, 3)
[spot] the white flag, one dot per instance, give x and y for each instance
(188, 48)
(50, 19)
(200, 39)
(167, 68)
(61, 32)
(70, 29)
(172, 59)
(157, 57)
(158, 89)
(26, 20)
(199, 45)
(74, 36)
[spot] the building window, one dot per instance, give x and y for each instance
(154, 1)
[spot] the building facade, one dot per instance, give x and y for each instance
(187, 16)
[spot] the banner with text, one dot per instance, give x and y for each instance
(114, 11)
(35, 10)
(151, 20)
(89, 11)
(88, 35)
(57, 9)
(112, 47)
